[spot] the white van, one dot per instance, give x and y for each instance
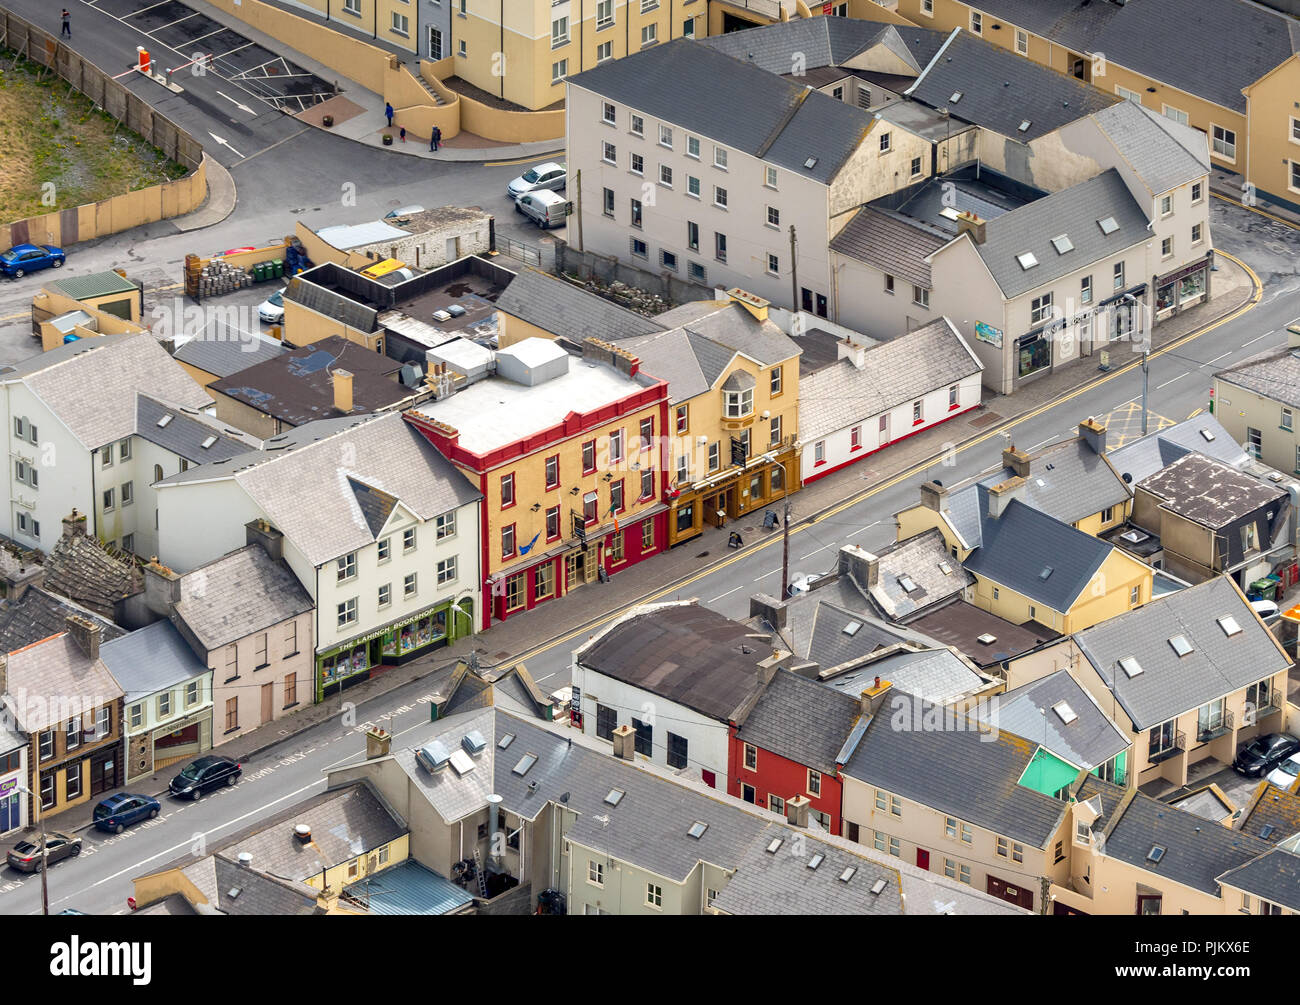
(544, 208)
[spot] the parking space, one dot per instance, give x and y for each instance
(187, 34)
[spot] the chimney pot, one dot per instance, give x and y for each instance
(1094, 434)
(75, 524)
(625, 743)
(969, 223)
(796, 811)
(378, 742)
(1016, 460)
(874, 696)
(85, 633)
(343, 391)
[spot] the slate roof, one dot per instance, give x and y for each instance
(85, 571)
(390, 455)
(891, 244)
(257, 894)
(822, 43)
(1151, 453)
(151, 659)
(1274, 816)
(568, 311)
(1018, 547)
(240, 593)
(188, 430)
(1223, 45)
(1030, 711)
(1274, 373)
(919, 559)
(1074, 212)
(959, 772)
(1067, 480)
(54, 668)
(672, 356)
(174, 905)
(1274, 876)
(937, 675)
(38, 614)
(118, 366)
(929, 358)
(801, 720)
(817, 630)
(224, 356)
(1210, 493)
(730, 326)
(1164, 153)
(1168, 684)
(685, 653)
(1000, 89)
(297, 387)
(687, 84)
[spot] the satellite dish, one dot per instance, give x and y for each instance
(1127, 477)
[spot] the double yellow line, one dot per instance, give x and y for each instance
(907, 473)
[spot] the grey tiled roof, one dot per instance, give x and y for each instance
(1168, 684)
(729, 328)
(1147, 455)
(1274, 876)
(685, 653)
(919, 559)
(1068, 480)
(80, 568)
(821, 43)
(1164, 153)
(801, 720)
(38, 614)
(117, 366)
(257, 894)
(1029, 711)
(151, 659)
(1018, 547)
(937, 675)
(1223, 45)
(1274, 373)
(1210, 493)
(927, 359)
(1074, 212)
(567, 311)
(890, 243)
(735, 104)
(187, 431)
(959, 772)
(822, 632)
(671, 356)
(44, 673)
(238, 594)
(224, 356)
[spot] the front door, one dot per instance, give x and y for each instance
(1017, 895)
(715, 509)
(268, 702)
(453, 249)
(435, 44)
(103, 772)
(573, 570)
(884, 430)
(923, 859)
(747, 792)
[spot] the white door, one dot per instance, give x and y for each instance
(453, 248)
(884, 429)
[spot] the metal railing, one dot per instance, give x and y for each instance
(1216, 727)
(1179, 746)
(525, 253)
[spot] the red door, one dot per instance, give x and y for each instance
(923, 859)
(1018, 895)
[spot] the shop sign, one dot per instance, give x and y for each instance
(1184, 272)
(989, 334)
(575, 699)
(8, 786)
(738, 453)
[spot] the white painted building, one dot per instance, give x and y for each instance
(381, 531)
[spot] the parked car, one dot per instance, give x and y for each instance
(206, 773)
(271, 310)
(1266, 609)
(550, 175)
(25, 856)
(1285, 774)
(1264, 753)
(118, 812)
(801, 582)
(546, 209)
(24, 258)
(393, 214)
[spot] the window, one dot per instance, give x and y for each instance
(751, 757)
(837, 93)
(683, 418)
(773, 265)
(1177, 114)
(462, 50)
(1254, 442)
(775, 803)
(1197, 229)
(408, 540)
(649, 34)
(719, 197)
(1040, 309)
(72, 787)
(553, 523)
(1197, 192)
(232, 714)
(616, 446)
(604, 14)
(291, 639)
(589, 457)
(654, 895)
(697, 272)
(515, 591)
(589, 507)
(384, 551)
(1119, 275)
(1128, 95)
(692, 186)
(715, 454)
(1022, 42)
(385, 595)
(927, 7)
(921, 297)
(447, 570)
(916, 167)
(639, 248)
(507, 541)
(604, 51)
(135, 717)
(609, 152)
(637, 165)
(889, 284)
(108, 499)
(677, 746)
(1167, 247)
(164, 704)
(559, 71)
(401, 23)
(559, 32)
(1224, 143)
(665, 136)
(607, 108)
(347, 613)
(665, 176)
(1166, 205)
(855, 438)
(647, 536)
(507, 491)
(773, 216)
(774, 384)
(769, 176)
(644, 737)
(346, 568)
(976, 23)
(720, 158)
(720, 247)
(884, 143)
(819, 452)
(814, 782)
(636, 212)
(544, 581)
(646, 430)
(606, 722)
(108, 456)
(1085, 290)
(616, 496)
(72, 734)
(596, 873)
(739, 403)
(444, 527)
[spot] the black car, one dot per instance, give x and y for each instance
(1264, 753)
(206, 773)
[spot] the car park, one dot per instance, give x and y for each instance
(25, 856)
(206, 773)
(546, 209)
(1264, 753)
(116, 813)
(24, 258)
(551, 176)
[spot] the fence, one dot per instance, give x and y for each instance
(120, 212)
(526, 253)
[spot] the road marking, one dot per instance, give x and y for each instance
(862, 530)
(225, 144)
(1196, 413)
(304, 129)
(727, 594)
(1252, 209)
(1257, 338)
(238, 104)
(818, 551)
(1044, 443)
(1216, 358)
(913, 471)
(1168, 382)
(523, 160)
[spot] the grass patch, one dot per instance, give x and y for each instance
(51, 135)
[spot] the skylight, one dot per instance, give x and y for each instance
(1229, 625)
(460, 762)
(773, 845)
(852, 628)
(1065, 712)
(1130, 665)
(906, 583)
(1024, 125)
(1156, 853)
(525, 762)
(810, 163)
(878, 886)
(1027, 260)
(1266, 830)
(1180, 645)
(1046, 573)
(1108, 225)
(165, 420)
(945, 568)
(505, 741)
(614, 797)
(949, 213)
(697, 829)
(208, 442)
(816, 860)
(1209, 437)
(847, 874)
(955, 97)
(1062, 244)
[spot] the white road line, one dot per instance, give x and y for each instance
(727, 594)
(1044, 443)
(812, 553)
(1257, 338)
(1218, 357)
(766, 574)
(1168, 382)
(1123, 403)
(863, 530)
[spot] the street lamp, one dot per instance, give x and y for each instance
(785, 525)
(1133, 302)
(45, 854)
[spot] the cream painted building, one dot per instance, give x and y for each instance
(1256, 401)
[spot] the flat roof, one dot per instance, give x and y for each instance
(961, 624)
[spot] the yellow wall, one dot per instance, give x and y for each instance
(336, 877)
(160, 885)
(303, 326)
(1270, 107)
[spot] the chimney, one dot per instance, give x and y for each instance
(854, 353)
(874, 696)
(796, 811)
(378, 742)
(343, 391)
(162, 589)
(934, 496)
(74, 525)
(969, 223)
(859, 564)
(18, 582)
(261, 532)
(1016, 460)
(86, 634)
(770, 609)
(625, 743)
(756, 306)
(1094, 434)
(1000, 496)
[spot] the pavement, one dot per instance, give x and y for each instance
(1228, 185)
(221, 199)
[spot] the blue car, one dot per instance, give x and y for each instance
(117, 812)
(24, 258)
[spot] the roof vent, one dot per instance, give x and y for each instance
(986, 639)
(1134, 536)
(878, 886)
(1062, 244)
(461, 762)
(1065, 712)
(1156, 853)
(1207, 435)
(1180, 645)
(1229, 625)
(1130, 666)
(246, 859)
(208, 442)
(165, 420)
(473, 742)
(302, 832)
(847, 874)
(852, 628)
(433, 756)
(1108, 225)
(697, 829)
(1027, 260)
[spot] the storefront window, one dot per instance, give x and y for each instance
(1165, 296)
(685, 517)
(1035, 354)
(1193, 287)
(755, 487)
(778, 478)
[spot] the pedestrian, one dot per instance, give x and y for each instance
(437, 137)
(388, 110)
(402, 134)
(67, 24)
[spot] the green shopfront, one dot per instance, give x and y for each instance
(392, 645)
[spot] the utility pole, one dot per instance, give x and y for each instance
(794, 275)
(577, 205)
(1145, 356)
(45, 854)
(785, 547)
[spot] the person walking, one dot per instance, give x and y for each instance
(67, 24)
(437, 138)
(388, 111)
(402, 134)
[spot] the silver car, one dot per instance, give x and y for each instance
(546, 209)
(551, 175)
